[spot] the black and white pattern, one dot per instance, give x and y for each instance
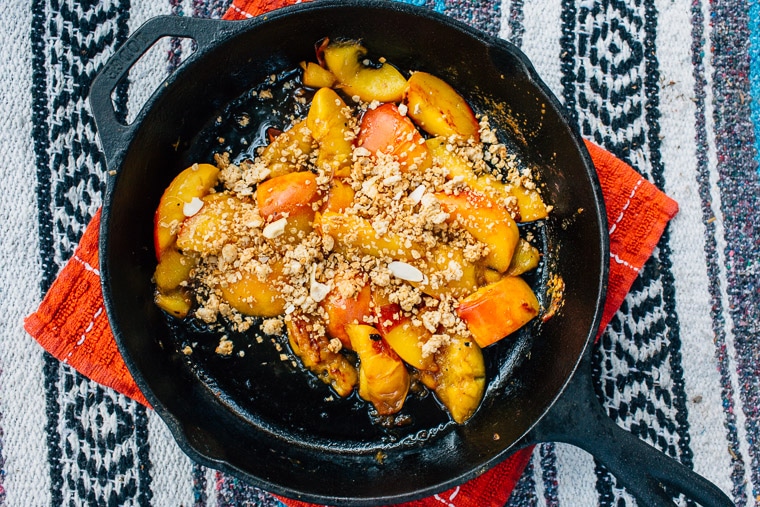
(96, 439)
(662, 84)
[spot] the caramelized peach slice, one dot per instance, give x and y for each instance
(194, 182)
(405, 338)
(286, 195)
(315, 353)
(528, 204)
(498, 309)
(253, 296)
(339, 197)
(460, 380)
(289, 151)
(526, 257)
(438, 109)
(383, 378)
(447, 273)
(329, 121)
(487, 222)
(345, 60)
(385, 130)
(213, 226)
(316, 76)
(354, 232)
(341, 311)
(173, 269)
(176, 303)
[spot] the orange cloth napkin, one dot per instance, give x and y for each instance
(71, 322)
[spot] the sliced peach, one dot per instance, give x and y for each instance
(173, 269)
(339, 197)
(526, 257)
(251, 296)
(438, 109)
(460, 380)
(383, 378)
(316, 76)
(194, 182)
(288, 194)
(289, 151)
(314, 350)
(176, 303)
(528, 204)
(457, 166)
(405, 338)
(354, 232)
(213, 226)
(487, 222)
(385, 130)
(489, 275)
(498, 309)
(297, 227)
(447, 273)
(329, 121)
(341, 311)
(345, 60)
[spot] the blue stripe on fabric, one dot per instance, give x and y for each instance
(436, 5)
(754, 73)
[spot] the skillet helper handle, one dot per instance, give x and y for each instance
(580, 420)
(112, 131)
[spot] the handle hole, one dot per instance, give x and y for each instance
(147, 74)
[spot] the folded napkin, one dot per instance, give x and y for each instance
(71, 322)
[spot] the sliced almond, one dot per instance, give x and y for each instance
(193, 207)
(405, 271)
(275, 229)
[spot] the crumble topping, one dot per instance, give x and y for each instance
(305, 265)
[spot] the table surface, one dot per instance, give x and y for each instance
(666, 85)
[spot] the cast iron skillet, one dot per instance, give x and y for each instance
(256, 418)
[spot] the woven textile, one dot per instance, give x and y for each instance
(657, 84)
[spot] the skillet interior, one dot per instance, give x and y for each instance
(273, 430)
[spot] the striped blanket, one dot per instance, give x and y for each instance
(665, 85)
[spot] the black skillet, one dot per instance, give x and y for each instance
(267, 422)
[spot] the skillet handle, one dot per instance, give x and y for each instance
(113, 132)
(577, 418)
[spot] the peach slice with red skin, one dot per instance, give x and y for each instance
(438, 109)
(287, 194)
(341, 311)
(194, 182)
(498, 309)
(291, 197)
(385, 130)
